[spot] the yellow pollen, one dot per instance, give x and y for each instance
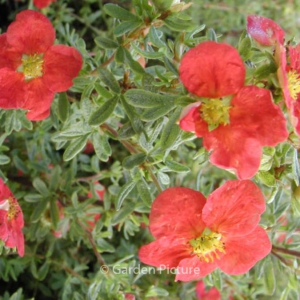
(13, 209)
(32, 66)
(215, 112)
(294, 84)
(208, 244)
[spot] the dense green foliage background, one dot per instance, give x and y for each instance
(45, 162)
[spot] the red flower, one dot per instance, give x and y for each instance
(32, 69)
(196, 235)
(289, 79)
(212, 294)
(11, 220)
(42, 3)
(265, 31)
(99, 189)
(232, 113)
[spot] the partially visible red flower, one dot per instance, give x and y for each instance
(212, 294)
(265, 31)
(235, 121)
(59, 232)
(196, 236)
(289, 79)
(99, 189)
(92, 222)
(32, 68)
(89, 148)
(129, 296)
(42, 3)
(11, 220)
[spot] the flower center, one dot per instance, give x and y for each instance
(293, 84)
(11, 207)
(32, 66)
(215, 112)
(208, 244)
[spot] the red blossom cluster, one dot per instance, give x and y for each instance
(32, 68)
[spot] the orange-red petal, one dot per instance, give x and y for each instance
(165, 252)
(42, 3)
(177, 211)
(254, 110)
(61, 65)
(212, 70)
(234, 209)
(228, 152)
(192, 268)
(243, 252)
(38, 100)
(265, 31)
(30, 33)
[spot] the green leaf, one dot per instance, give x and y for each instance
(101, 146)
(171, 131)
(43, 271)
(122, 214)
(109, 80)
(245, 48)
(156, 291)
(124, 192)
(147, 54)
(118, 12)
(266, 178)
(184, 101)
(134, 160)
(296, 201)
(75, 146)
(296, 167)
(4, 159)
(54, 212)
(104, 246)
(104, 112)
(38, 210)
(63, 107)
(134, 65)
(153, 114)
(106, 43)
(269, 277)
(145, 99)
(176, 167)
(41, 187)
(126, 26)
(144, 192)
(155, 39)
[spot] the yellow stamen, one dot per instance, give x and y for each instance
(13, 209)
(293, 84)
(32, 66)
(207, 245)
(215, 112)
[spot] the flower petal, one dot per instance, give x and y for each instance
(230, 153)
(212, 70)
(254, 110)
(31, 33)
(212, 294)
(265, 31)
(187, 119)
(38, 100)
(234, 209)
(243, 252)
(177, 211)
(165, 252)
(192, 268)
(42, 3)
(12, 88)
(61, 65)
